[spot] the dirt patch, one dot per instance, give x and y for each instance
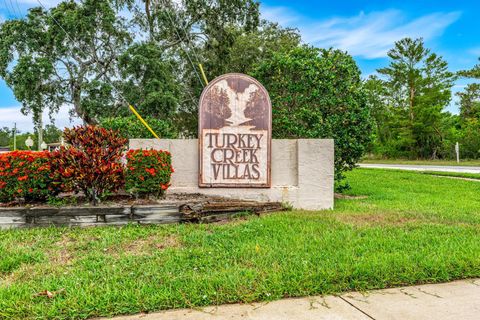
(168, 242)
(61, 252)
(68, 248)
(235, 221)
(58, 260)
(146, 246)
(374, 219)
(23, 273)
(346, 196)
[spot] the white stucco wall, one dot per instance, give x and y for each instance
(302, 171)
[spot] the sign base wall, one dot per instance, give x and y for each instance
(302, 172)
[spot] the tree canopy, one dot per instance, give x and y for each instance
(66, 55)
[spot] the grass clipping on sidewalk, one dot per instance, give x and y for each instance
(410, 228)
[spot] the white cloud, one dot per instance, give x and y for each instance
(475, 51)
(11, 115)
(367, 35)
(282, 15)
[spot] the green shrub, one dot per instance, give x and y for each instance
(470, 139)
(131, 127)
(148, 172)
(27, 175)
(318, 93)
(92, 162)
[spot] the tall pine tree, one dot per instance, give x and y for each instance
(419, 86)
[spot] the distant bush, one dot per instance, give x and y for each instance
(27, 175)
(92, 162)
(132, 128)
(470, 139)
(148, 172)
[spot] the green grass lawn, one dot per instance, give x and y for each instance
(467, 163)
(410, 228)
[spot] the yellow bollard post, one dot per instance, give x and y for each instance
(203, 73)
(143, 121)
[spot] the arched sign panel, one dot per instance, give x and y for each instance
(234, 133)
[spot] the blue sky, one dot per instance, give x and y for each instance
(366, 29)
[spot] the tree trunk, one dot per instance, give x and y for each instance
(40, 131)
(149, 18)
(411, 114)
(77, 105)
(411, 98)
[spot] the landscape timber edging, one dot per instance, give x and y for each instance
(23, 217)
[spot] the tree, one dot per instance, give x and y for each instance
(381, 111)
(247, 49)
(5, 136)
(470, 101)
(472, 73)
(451, 134)
(51, 68)
(470, 138)
(419, 88)
(250, 48)
(149, 82)
(470, 97)
(318, 93)
(169, 22)
(470, 115)
(51, 134)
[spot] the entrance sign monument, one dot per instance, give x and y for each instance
(234, 156)
(235, 128)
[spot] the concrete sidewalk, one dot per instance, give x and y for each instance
(456, 300)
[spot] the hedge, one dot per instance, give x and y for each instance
(148, 172)
(26, 174)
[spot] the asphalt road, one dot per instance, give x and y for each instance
(422, 167)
